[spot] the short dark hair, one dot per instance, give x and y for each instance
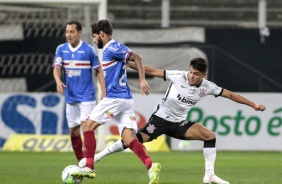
(200, 64)
(102, 25)
(78, 24)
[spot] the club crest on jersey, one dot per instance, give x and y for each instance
(151, 128)
(202, 92)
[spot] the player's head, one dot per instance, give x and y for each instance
(73, 32)
(102, 32)
(197, 71)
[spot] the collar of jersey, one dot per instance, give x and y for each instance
(75, 48)
(111, 41)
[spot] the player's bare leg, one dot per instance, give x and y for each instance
(199, 132)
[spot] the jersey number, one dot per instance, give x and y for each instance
(121, 82)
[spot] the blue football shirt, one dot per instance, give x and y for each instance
(115, 56)
(78, 63)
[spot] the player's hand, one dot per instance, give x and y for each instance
(60, 87)
(259, 107)
(145, 88)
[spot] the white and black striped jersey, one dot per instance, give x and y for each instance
(180, 97)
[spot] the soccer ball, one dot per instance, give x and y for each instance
(68, 178)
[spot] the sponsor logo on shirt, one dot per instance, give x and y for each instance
(72, 73)
(81, 51)
(186, 100)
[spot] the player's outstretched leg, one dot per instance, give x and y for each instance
(85, 172)
(154, 173)
(214, 180)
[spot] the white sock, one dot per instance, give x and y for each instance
(210, 156)
(116, 147)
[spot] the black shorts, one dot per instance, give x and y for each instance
(158, 126)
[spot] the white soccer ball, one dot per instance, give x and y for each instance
(68, 178)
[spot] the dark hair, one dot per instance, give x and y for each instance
(78, 25)
(199, 64)
(102, 25)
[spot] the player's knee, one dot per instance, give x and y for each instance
(74, 131)
(210, 143)
(126, 142)
(139, 137)
(209, 136)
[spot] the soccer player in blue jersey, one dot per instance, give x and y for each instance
(118, 104)
(78, 60)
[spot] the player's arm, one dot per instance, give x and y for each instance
(101, 79)
(240, 99)
(145, 88)
(149, 70)
(57, 76)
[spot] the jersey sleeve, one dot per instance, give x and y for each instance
(173, 75)
(119, 52)
(214, 89)
(58, 61)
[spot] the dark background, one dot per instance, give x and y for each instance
(238, 60)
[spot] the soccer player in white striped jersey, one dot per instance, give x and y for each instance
(118, 104)
(169, 117)
(77, 59)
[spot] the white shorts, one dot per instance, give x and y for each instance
(120, 111)
(78, 112)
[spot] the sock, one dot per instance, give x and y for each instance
(116, 147)
(210, 156)
(76, 143)
(89, 148)
(140, 150)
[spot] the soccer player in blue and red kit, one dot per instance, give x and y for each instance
(118, 104)
(78, 59)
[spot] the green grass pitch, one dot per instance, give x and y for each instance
(125, 168)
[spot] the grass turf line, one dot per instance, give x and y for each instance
(126, 168)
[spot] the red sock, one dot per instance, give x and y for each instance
(89, 148)
(76, 143)
(140, 150)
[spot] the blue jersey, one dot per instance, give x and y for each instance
(114, 60)
(78, 63)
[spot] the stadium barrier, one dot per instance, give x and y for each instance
(237, 127)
